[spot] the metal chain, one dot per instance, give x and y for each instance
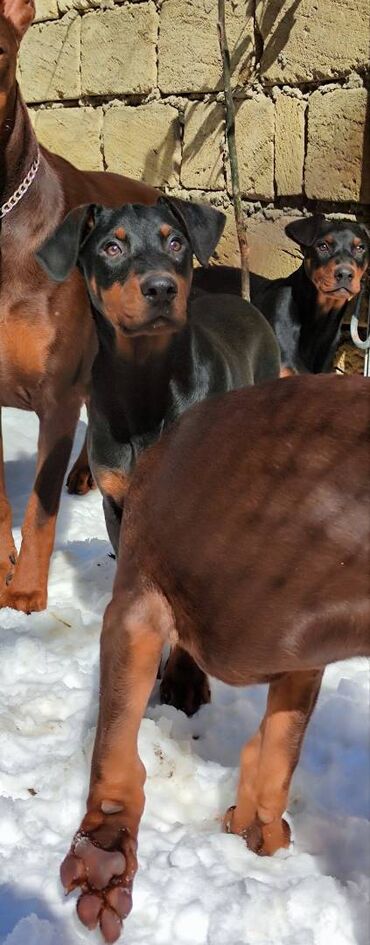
(22, 189)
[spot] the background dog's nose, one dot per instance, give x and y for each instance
(343, 274)
(158, 288)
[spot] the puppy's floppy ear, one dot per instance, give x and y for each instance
(305, 231)
(203, 225)
(59, 254)
(365, 230)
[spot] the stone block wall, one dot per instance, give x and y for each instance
(134, 87)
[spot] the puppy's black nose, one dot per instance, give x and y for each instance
(343, 274)
(158, 289)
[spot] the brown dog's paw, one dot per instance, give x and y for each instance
(264, 839)
(103, 863)
(27, 601)
(80, 480)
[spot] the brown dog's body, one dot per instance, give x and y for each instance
(47, 338)
(246, 541)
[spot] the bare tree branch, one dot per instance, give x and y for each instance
(230, 136)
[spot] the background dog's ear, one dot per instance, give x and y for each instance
(305, 230)
(203, 224)
(19, 13)
(59, 254)
(365, 230)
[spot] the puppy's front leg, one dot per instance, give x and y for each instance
(102, 859)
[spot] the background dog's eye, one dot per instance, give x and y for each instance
(112, 249)
(175, 244)
(323, 247)
(360, 248)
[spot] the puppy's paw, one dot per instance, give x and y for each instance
(102, 863)
(263, 839)
(27, 601)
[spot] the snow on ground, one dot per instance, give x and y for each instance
(195, 886)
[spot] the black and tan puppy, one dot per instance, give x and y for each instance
(306, 309)
(160, 351)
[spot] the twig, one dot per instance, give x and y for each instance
(230, 135)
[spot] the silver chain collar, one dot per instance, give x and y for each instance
(22, 189)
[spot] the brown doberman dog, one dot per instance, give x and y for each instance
(246, 541)
(47, 336)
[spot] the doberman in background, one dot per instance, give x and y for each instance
(306, 309)
(47, 335)
(158, 353)
(246, 539)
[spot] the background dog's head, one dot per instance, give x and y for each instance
(336, 255)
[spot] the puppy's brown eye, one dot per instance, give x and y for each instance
(360, 248)
(112, 249)
(323, 247)
(175, 244)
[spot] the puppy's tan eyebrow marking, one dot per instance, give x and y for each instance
(120, 233)
(165, 230)
(328, 239)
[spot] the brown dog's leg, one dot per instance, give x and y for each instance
(102, 859)
(273, 755)
(184, 685)
(8, 551)
(80, 479)
(28, 588)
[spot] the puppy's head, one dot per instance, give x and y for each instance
(336, 255)
(137, 261)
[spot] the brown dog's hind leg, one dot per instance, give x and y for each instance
(102, 860)
(184, 685)
(28, 588)
(80, 479)
(269, 760)
(8, 551)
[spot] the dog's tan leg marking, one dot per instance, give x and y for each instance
(80, 479)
